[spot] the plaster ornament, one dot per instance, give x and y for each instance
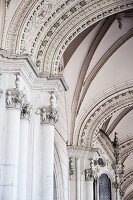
(88, 174)
(14, 99)
(17, 81)
(26, 110)
(71, 166)
(49, 115)
(53, 100)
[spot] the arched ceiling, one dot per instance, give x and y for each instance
(44, 29)
(90, 42)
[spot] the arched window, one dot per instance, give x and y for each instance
(104, 187)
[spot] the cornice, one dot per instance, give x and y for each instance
(24, 65)
(81, 152)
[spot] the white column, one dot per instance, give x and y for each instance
(37, 159)
(48, 160)
(89, 184)
(89, 189)
(49, 116)
(23, 151)
(10, 166)
(78, 178)
(72, 179)
(83, 189)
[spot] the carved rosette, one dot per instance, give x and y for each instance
(26, 111)
(15, 99)
(49, 115)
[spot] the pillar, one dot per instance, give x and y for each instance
(89, 184)
(49, 116)
(78, 189)
(23, 151)
(14, 99)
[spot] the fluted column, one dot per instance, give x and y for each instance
(14, 101)
(49, 116)
(23, 151)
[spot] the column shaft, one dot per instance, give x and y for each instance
(23, 153)
(89, 190)
(10, 167)
(47, 134)
(78, 178)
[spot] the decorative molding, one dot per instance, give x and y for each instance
(52, 51)
(53, 44)
(107, 147)
(118, 119)
(15, 24)
(101, 112)
(81, 152)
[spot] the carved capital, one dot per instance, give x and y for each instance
(26, 111)
(88, 174)
(15, 99)
(49, 115)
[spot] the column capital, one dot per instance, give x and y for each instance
(88, 174)
(26, 110)
(14, 98)
(49, 115)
